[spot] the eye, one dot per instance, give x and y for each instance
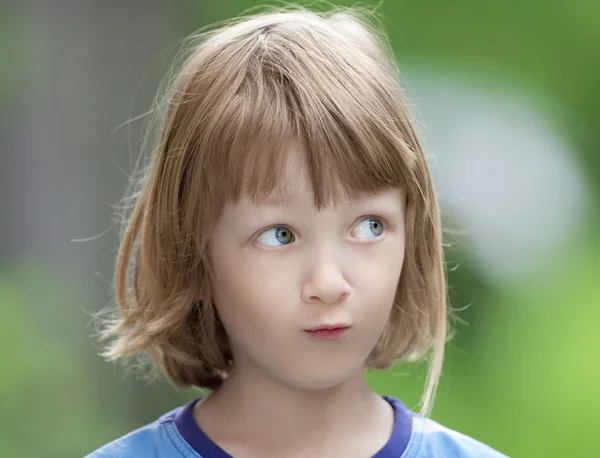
(276, 236)
(369, 228)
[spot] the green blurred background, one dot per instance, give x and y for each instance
(507, 96)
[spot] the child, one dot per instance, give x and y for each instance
(285, 238)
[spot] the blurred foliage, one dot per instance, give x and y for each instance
(48, 402)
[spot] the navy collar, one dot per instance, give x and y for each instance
(190, 431)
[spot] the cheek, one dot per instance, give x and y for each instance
(377, 281)
(249, 293)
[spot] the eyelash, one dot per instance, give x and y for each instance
(364, 218)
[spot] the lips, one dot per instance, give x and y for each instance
(329, 332)
(329, 327)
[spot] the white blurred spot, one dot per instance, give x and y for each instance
(502, 173)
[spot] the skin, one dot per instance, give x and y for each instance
(290, 394)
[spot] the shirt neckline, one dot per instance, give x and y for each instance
(204, 446)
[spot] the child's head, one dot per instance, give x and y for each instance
(304, 110)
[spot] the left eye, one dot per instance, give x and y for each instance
(282, 235)
(369, 228)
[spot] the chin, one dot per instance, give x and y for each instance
(322, 379)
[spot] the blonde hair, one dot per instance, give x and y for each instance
(245, 91)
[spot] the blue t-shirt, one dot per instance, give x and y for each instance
(176, 434)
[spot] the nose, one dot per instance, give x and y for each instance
(325, 283)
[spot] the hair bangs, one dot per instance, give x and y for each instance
(345, 123)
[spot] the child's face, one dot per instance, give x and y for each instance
(280, 271)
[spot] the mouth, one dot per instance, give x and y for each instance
(329, 332)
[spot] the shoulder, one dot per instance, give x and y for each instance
(437, 440)
(154, 440)
(147, 441)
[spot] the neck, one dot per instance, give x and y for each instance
(265, 411)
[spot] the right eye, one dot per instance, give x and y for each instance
(276, 236)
